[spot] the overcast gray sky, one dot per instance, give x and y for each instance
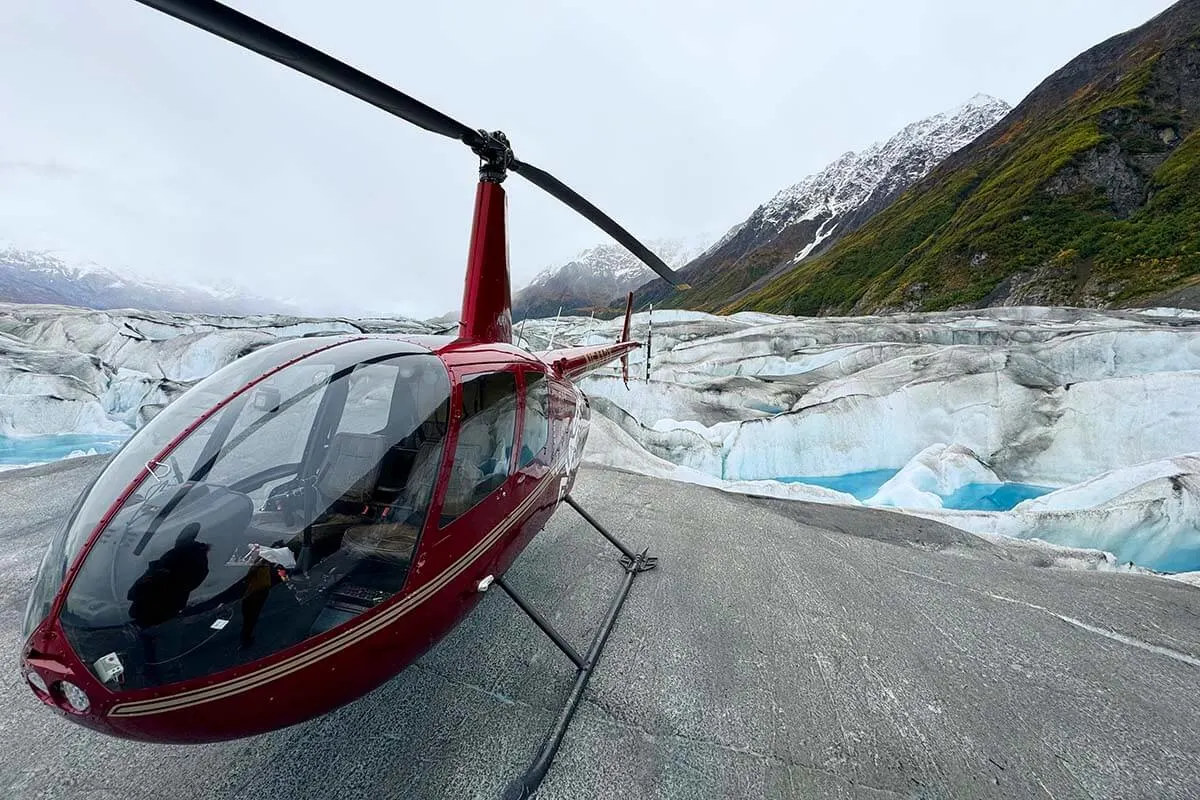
(134, 141)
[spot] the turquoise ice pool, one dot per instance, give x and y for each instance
(972, 497)
(18, 451)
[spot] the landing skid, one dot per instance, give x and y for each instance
(634, 564)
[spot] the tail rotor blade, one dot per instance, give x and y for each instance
(236, 27)
(557, 189)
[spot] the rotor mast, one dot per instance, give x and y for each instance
(487, 294)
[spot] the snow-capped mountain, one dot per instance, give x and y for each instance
(808, 217)
(858, 185)
(28, 276)
(1083, 195)
(596, 276)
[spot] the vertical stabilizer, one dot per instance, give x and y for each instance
(487, 297)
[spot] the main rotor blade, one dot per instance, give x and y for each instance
(547, 182)
(238, 28)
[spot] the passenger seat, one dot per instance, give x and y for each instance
(351, 467)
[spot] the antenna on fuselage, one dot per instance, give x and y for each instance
(554, 330)
(520, 338)
(649, 339)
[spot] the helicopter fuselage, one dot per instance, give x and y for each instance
(441, 584)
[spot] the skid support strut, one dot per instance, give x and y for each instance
(634, 564)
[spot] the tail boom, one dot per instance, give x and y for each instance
(575, 362)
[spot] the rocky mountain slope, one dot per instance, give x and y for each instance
(1088, 194)
(31, 277)
(808, 218)
(596, 276)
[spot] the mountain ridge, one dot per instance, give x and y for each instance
(593, 277)
(808, 217)
(33, 276)
(1085, 194)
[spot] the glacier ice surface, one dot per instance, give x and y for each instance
(936, 472)
(1102, 406)
(73, 370)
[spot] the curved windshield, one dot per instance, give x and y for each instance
(143, 446)
(294, 508)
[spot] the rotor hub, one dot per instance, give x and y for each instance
(495, 155)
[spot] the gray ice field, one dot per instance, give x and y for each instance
(781, 650)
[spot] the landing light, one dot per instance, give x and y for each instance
(37, 682)
(76, 698)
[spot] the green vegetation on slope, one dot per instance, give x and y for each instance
(1044, 208)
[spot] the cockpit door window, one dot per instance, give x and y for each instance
(535, 428)
(486, 437)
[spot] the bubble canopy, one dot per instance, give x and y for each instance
(276, 499)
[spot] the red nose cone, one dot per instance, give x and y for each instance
(53, 673)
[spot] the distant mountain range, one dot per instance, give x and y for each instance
(1087, 194)
(806, 219)
(597, 275)
(33, 277)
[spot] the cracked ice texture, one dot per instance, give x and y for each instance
(71, 370)
(1148, 513)
(1049, 396)
(1106, 403)
(1044, 396)
(937, 471)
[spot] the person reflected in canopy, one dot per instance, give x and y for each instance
(162, 591)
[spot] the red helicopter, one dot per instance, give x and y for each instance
(300, 526)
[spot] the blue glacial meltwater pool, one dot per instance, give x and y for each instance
(862, 485)
(972, 497)
(993, 497)
(17, 451)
